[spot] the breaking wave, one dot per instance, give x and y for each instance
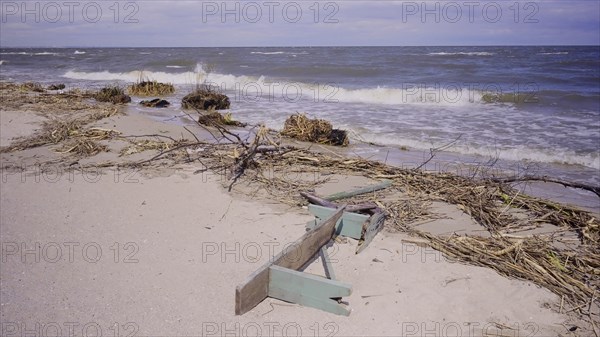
(482, 53)
(30, 54)
(516, 153)
(325, 92)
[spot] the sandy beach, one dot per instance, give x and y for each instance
(90, 249)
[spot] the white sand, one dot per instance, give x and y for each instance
(180, 232)
(15, 124)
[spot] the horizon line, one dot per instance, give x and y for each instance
(319, 46)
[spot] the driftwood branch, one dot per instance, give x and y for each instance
(590, 188)
(434, 151)
(367, 189)
(167, 151)
(243, 161)
(191, 133)
(153, 135)
(223, 131)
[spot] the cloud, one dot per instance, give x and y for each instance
(289, 23)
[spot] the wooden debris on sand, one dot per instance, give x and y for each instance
(280, 278)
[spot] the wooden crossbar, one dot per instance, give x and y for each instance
(256, 287)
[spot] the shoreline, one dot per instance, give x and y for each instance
(444, 161)
(170, 211)
(507, 128)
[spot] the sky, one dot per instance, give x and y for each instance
(297, 23)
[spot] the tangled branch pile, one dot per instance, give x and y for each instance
(320, 131)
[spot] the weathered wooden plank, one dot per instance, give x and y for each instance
(253, 291)
(308, 290)
(329, 273)
(298, 254)
(351, 224)
(375, 225)
(313, 199)
(327, 263)
(371, 188)
(256, 287)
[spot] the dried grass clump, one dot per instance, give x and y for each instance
(82, 147)
(204, 99)
(31, 86)
(101, 114)
(146, 145)
(406, 211)
(53, 132)
(151, 88)
(215, 118)
(113, 94)
(77, 92)
(56, 131)
(8, 86)
(572, 275)
(64, 103)
(320, 131)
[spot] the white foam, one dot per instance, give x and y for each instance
(184, 78)
(268, 53)
(1, 62)
(293, 54)
(516, 153)
(431, 99)
(409, 95)
(556, 53)
(177, 67)
(437, 96)
(483, 53)
(30, 54)
(77, 52)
